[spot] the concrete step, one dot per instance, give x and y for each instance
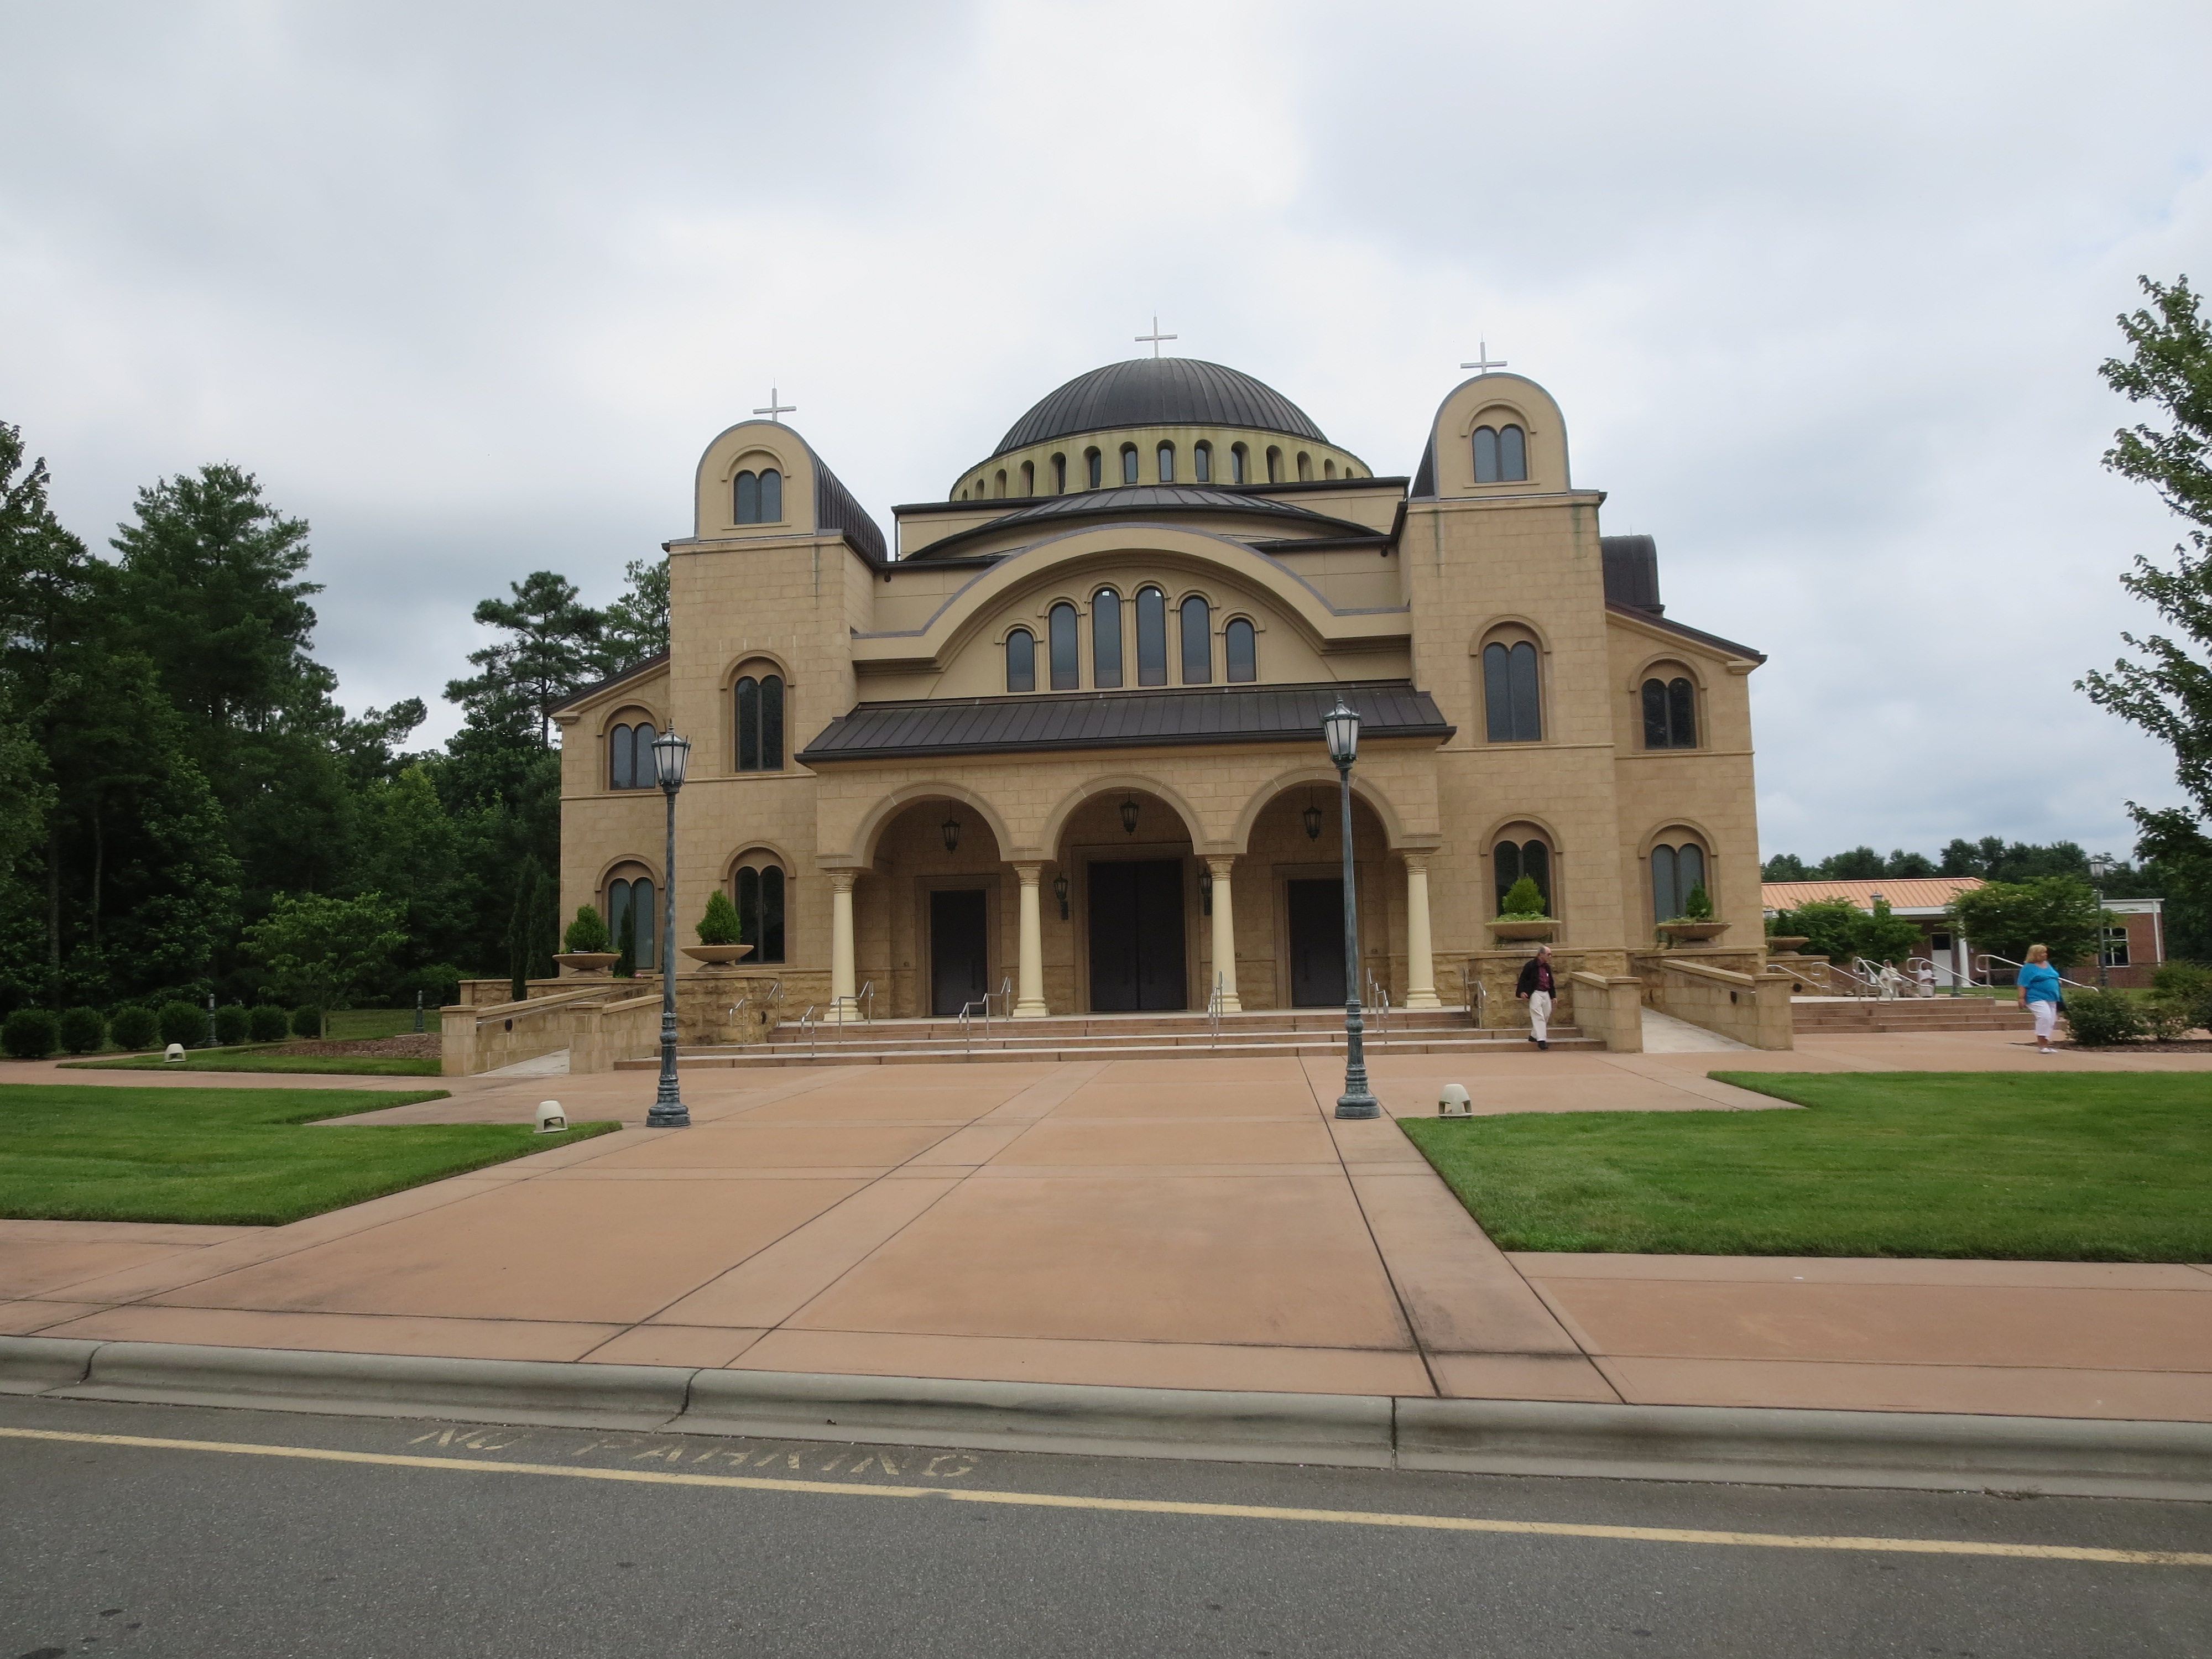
(1293, 1047)
(1259, 1022)
(1908, 1014)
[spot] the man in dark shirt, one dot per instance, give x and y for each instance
(1536, 989)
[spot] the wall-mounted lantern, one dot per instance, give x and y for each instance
(1059, 892)
(1205, 888)
(951, 830)
(1129, 813)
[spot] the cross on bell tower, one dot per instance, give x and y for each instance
(1156, 336)
(777, 409)
(1482, 363)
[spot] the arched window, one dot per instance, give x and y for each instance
(1501, 455)
(761, 887)
(1060, 475)
(1166, 459)
(999, 493)
(1510, 702)
(1485, 454)
(1095, 465)
(1202, 463)
(1106, 639)
(1274, 464)
(1152, 637)
(1670, 714)
(1021, 660)
(1028, 478)
(1197, 641)
(1510, 860)
(1060, 628)
(630, 901)
(1305, 467)
(759, 704)
(1242, 642)
(760, 497)
(1128, 464)
(1239, 468)
(629, 757)
(1328, 469)
(1677, 871)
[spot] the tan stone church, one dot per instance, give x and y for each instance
(1062, 737)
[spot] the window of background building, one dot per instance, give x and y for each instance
(1676, 872)
(760, 901)
(760, 497)
(1243, 650)
(1237, 468)
(1106, 639)
(629, 757)
(1197, 641)
(1060, 475)
(1670, 714)
(1128, 464)
(760, 723)
(1510, 860)
(1501, 455)
(624, 894)
(1096, 465)
(1059, 629)
(1202, 463)
(1511, 704)
(1021, 660)
(1152, 637)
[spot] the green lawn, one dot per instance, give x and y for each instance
(349, 1024)
(259, 1060)
(2106, 1167)
(241, 1157)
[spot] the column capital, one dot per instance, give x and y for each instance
(1417, 861)
(841, 881)
(1222, 866)
(1030, 871)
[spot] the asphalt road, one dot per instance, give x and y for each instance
(570, 1544)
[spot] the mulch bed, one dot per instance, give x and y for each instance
(2185, 1045)
(409, 1046)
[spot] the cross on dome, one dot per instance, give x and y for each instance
(1156, 336)
(776, 407)
(1482, 363)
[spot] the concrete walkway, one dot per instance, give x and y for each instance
(1177, 1224)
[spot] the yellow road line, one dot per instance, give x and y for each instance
(1161, 1506)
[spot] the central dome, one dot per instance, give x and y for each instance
(1159, 391)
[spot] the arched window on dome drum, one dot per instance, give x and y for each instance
(1670, 715)
(1000, 492)
(1243, 643)
(1202, 463)
(1305, 467)
(1106, 639)
(1274, 465)
(1239, 469)
(760, 909)
(1128, 464)
(1060, 628)
(1676, 872)
(1166, 459)
(1197, 641)
(1021, 660)
(623, 897)
(1328, 469)
(760, 497)
(1152, 637)
(1095, 465)
(759, 705)
(1060, 475)
(1510, 695)
(1510, 861)
(1028, 478)
(629, 757)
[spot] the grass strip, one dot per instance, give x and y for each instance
(229, 1156)
(2113, 1166)
(255, 1060)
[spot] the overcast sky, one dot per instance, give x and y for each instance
(1821, 289)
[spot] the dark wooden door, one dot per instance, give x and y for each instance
(1316, 910)
(1137, 935)
(959, 950)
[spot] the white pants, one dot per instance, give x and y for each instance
(1540, 1014)
(2046, 1017)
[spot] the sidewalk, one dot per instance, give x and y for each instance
(1182, 1224)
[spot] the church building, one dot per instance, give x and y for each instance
(1060, 736)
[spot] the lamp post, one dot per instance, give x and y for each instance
(2100, 867)
(1341, 726)
(671, 755)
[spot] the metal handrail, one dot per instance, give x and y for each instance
(806, 1028)
(1214, 1012)
(1986, 957)
(968, 1023)
(1478, 996)
(866, 994)
(1378, 999)
(1005, 995)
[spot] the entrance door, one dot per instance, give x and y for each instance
(1316, 944)
(1136, 936)
(959, 954)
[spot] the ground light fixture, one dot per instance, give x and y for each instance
(671, 756)
(1059, 892)
(1340, 726)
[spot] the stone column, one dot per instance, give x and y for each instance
(1421, 961)
(1225, 935)
(1028, 1000)
(840, 933)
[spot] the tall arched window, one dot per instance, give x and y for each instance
(1197, 641)
(1095, 465)
(1274, 464)
(1021, 660)
(1510, 860)
(1670, 714)
(1239, 469)
(761, 886)
(1243, 649)
(760, 497)
(1128, 464)
(1028, 478)
(629, 757)
(1305, 467)
(1060, 475)
(999, 491)
(1328, 469)
(1166, 459)
(1060, 628)
(759, 704)
(1510, 701)
(1152, 637)
(1677, 871)
(630, 901)
(1106, 639)
(1501, 455)
(1202, 463)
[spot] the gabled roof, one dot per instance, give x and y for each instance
(1901, 893)
(659, 659)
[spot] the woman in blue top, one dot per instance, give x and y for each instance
(2038, 994)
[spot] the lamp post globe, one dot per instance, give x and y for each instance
(1340, 726)
(671, 755)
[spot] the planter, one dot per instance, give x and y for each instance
(717, 955)
(1680, 931)
(1540, 928)
(588, 962)
(1786, 944)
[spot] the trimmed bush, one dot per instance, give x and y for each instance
(232, 1024)
(134, 1029)
(2166, 1019)
(183, 1023)
(82, 1031)
(2098, 1019)
(1698, 906)
(588, 931)
(1524, 901)
(306, 1022)
(268, 1024)
(30, 1033)
(720, 926)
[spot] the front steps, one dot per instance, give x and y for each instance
(1838, 1016)
(1285, 1034)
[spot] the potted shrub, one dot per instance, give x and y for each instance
(718, 933)
(1521, 914)
(1696, 921)
(586, 941)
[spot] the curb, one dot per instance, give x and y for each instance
(2061, 1456)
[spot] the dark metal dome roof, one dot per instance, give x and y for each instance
(1159, 391)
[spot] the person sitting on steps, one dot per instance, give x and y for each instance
(1536, 988)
